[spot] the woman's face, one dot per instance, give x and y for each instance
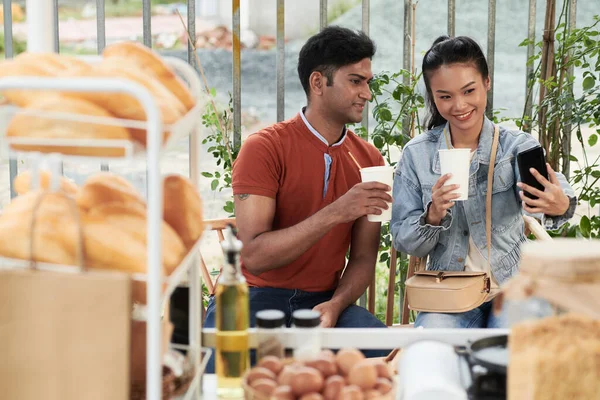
(460, 95)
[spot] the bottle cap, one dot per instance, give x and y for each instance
(306, 318)
(270, 319)
(231, 245)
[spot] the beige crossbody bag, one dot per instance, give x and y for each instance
(455, 291)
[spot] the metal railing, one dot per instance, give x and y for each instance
(280, 49)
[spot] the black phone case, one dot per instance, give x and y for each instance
(532, 158)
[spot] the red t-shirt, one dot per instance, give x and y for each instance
(286, 162)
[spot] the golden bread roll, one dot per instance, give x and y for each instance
(56, 227)
(24, 125)
(53, 63)
(182, 208)
(131, 217)
(148, 60)
(123, 105)
(106, 187)
(22, 183)
(23, 98)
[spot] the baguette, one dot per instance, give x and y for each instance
(18, 97)
(131, 218)
(182, 209)
(41, 127)
(106, 187)
(123, 105)
(149, 61)
(53, 63)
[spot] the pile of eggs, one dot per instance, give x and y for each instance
(347, 375)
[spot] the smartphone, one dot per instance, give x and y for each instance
(532, 158)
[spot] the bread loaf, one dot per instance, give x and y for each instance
(55, 234)
(554, 359)
(22, 183)
(53, 63)
(106, 187)
(149, 61)
(43, 127)
(131, 218)
(182, 208)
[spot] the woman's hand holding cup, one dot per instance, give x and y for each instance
(442, 198)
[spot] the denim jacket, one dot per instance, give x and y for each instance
(447, 244)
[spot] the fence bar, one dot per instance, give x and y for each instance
(8, 53)
(407, 56)
(280, 60)
(101, 41)
(366, 18)
(572, 19)
(237, 76)
(451, 18)
(100, 25)
(56, 38)
(529, 72)
(323, 14)
(491, 43)
(147, 24)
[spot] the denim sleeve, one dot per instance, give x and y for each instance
(548, 222)
(410, 233)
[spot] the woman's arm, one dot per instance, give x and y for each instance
(410, 231)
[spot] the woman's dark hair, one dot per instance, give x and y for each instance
(444, 51)
(330, 49)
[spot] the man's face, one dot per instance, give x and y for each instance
(345, 100)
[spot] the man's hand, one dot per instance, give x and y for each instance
(330, 312)
(552, 201)
(442, 198)
(363, 199)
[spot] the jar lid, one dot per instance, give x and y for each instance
(270, 319)
(306, 318)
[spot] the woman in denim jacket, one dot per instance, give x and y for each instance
(426, 220)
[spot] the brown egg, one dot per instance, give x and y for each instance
(286, 375)
(311, 396)
(333, 386)
(260, 373)
(363, 375)
(371, 394)
(326, 366)
(283, 393)
(346, 358)
(264, 385)
(351, 392)
(272, 363)
(306, 380)
(383, 386)
(383, 369)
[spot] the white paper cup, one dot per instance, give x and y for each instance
(457, 163)
(384, 175)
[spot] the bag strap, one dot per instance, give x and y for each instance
(488, 198)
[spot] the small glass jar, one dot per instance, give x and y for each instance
(307, 343)
(269, 330)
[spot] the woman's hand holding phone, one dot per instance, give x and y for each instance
(551, 201)
(441, 200)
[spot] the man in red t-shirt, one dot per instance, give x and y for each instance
(300, 204)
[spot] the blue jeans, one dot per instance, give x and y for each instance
(290, 300)
(480, 317)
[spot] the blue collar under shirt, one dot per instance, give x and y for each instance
(327, 157)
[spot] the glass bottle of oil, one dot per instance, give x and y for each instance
(232, 321)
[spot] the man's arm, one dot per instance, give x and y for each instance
(265, 249)
(358, 273)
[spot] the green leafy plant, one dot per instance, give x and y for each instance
(562, 113)
(220, 125)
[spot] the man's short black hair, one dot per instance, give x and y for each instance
(330, 49)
